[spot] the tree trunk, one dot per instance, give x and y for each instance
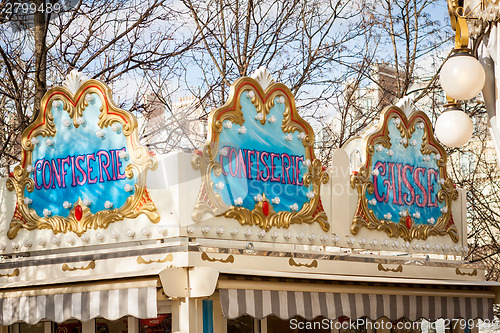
(40, 27)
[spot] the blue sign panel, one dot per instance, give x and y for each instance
(259, 159)
(86, 162)
(403, 187)
(82, 166)
(259, 166)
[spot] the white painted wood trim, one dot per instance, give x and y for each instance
(88, 326)
(133, 325)
(47, 327)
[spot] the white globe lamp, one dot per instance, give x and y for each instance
(462, 76)
(454, 127)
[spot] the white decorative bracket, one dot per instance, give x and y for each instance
(263, 76)
(74, 80)
(406, 105)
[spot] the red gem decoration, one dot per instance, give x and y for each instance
(78, 212)
(265, 208)
(408, 222)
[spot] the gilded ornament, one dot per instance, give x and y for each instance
(110, 115)
(263, 213)
(363, 178)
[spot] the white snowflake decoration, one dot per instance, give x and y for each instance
(56, 104)
(80, 121)
(224, 151)
(90, 98)
(123, 155)
(100, 133)
(115, 127)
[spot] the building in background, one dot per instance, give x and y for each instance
(360, 108)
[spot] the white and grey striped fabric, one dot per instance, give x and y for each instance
(109, 304)
(287, 304)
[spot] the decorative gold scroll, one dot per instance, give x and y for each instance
(313, 264)
(205, 160)
(362, 180)
(168, 257)
(15, 272)
(66, 268)
(398, 269)
(140, 161)
(228, 260)
(459, 272)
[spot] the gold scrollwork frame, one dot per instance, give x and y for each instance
(362, 180)
(140, 161)
(211, 202)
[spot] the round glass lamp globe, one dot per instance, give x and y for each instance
(454, 128)
(462, 77)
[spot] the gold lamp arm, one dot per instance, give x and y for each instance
(461, 34)
(452, 6)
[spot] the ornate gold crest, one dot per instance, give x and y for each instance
(404, 173)
(78, 216)
(269, 116)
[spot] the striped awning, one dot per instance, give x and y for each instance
(356, 301)
(58, 307)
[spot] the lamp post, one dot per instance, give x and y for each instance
(462, 78)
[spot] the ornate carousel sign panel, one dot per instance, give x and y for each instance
(82, 166)
(403, 188)
(259, 166)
